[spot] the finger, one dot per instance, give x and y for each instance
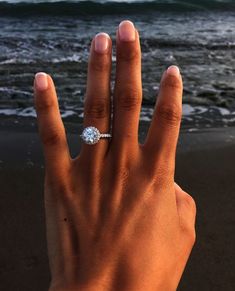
(162, 137)
(51, 128)
(128, 87)
(97, 99)
(186, 208)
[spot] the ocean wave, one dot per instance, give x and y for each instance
(87, 8)
(193, 116)
(16, 61)
(69, 59)
(30, 112)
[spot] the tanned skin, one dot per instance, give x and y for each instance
(115, 218)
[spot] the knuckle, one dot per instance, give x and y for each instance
(169, 114)
(129, 54)
(172, 82)
(98, 109)
(51, 137)
(44, 104)
(129, 98)
(99, 64)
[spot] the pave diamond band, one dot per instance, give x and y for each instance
(91, 135)
(104, 135)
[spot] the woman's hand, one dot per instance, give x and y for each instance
(115, 218)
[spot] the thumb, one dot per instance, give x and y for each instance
(186, 208)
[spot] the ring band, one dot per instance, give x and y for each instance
(91, 135)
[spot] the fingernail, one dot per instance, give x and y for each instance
(173, 71)
(41, 81)
(126, 31)
(101, 42)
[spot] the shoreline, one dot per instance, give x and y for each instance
(24, 130)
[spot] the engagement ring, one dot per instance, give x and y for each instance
(91, 135)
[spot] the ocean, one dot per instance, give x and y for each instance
(54, 36)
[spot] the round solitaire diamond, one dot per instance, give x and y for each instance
(90, 135)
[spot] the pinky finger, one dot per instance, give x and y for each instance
(50, 125)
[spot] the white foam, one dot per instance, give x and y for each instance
(193, 129)
(17, 61)
(145, 110)
(145, 118)
(188, 118)
(223, 111)
(193, 110)
(228, 120)
(200, 109)
(74, 58)
(68, 113)
(14, 91)
(8, 111)
(190, 113)
(188, 109)
(28, 112)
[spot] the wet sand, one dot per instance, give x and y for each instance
(205, 168)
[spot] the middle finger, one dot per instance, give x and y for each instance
(128, 87)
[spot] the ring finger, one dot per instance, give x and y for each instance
(97, 98)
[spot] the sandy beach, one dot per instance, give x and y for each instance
(205, 168)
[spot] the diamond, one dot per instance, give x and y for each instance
(90, 135)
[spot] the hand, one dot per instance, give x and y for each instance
(115, 218)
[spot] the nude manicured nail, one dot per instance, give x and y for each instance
(127, 31)
(41, 81)
(101, 42)
(173, 70)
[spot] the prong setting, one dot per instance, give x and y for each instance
(90, 135)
